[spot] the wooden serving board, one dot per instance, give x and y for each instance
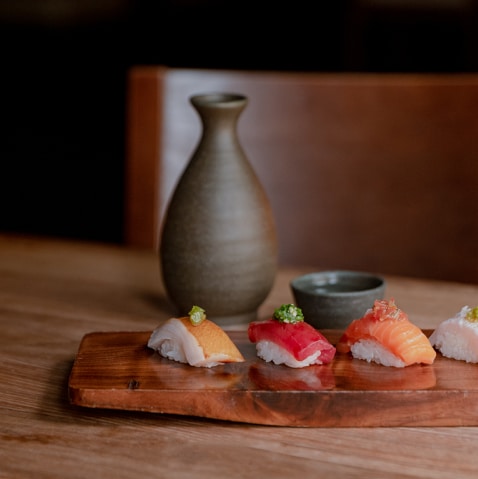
(116, 370)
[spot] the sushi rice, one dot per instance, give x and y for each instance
(457, 337)
(372, 351)
(271, 352)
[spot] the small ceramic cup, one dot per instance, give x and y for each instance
(332, 299)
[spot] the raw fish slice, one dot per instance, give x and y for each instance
(294, 344)
(457, 337)
(201, 345)
(386, 336)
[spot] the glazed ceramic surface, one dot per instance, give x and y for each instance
(218, 246)
(332, 299)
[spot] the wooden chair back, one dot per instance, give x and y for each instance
(375, 172)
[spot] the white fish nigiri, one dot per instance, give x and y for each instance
(202, 344)
(457, 337)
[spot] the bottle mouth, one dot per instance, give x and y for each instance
(218, 99)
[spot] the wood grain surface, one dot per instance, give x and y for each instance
(116, 370)
(54, 292)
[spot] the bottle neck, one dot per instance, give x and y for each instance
(219, 114)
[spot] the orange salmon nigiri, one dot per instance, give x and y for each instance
(386, 336)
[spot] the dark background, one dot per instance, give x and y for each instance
(64, 65)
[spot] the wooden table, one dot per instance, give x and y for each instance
(54, 292)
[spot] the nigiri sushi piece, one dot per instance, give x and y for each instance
(287, 339)
(194, 340)
(386, 336)
(457, 337)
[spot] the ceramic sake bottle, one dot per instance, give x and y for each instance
(218, 247)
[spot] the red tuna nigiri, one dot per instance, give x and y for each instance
(288, 339)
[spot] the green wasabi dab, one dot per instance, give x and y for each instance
(197, 315)
(288, 313)
(472, 315)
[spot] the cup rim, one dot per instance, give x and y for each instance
(298, 283)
